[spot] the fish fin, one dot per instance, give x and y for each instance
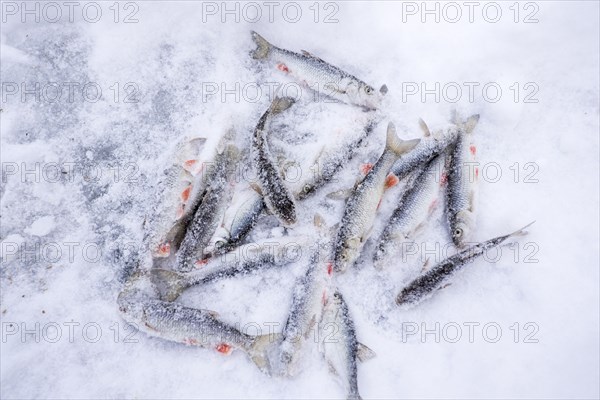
(445, 286)
(341, 194)
(258, 351)
(307, 54)
(425, 264)
(212, 313)
(366, 168)
(280, 104)
(424, 128)
(262, 47)
(332, 369)
(364, 353)
(256, 188)
(522, 231)
(383, 89)
(198, 143)
(390, 181)
(192, 166)
(170, 284)
(397, 145)
(471, 123)
(319, 221)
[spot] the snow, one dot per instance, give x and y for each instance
(78, 176)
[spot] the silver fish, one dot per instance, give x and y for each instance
(417, 203)
(277, 197)
(178, 193)
(329, 164)
(305, 312)
(319, 75)
(239, 219)
(212, 207)
(436, 277)
(341, 349)
(432, 145)
(243, 260)
(462, 179)
(139, 306)
(361, 206)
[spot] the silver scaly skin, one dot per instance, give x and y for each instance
(305, 312)
(277, 197)
(361, 206)
(139, 305)
(329, 164)
(243, 260)
(340, 346)
(436, 277)
(239, 219)
(216, 198)
(319, 75)
(178, 193)
(462, 183)
(416, 204)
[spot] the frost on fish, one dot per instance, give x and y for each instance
(419, 199)
(276, 195)
(362, 205)
(319, 75)
(436, 277)
(463, 175)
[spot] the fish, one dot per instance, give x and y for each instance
(461, 191)
(308, 297)
(431, 146)
(243, 260)
(277, 197)
(178, 193)
(139, 306)
(239, 219)
(414, 208)
(319, 75)
(216, 198)
(361, 206)
(436, 278)
(340, 347)
(330, 163)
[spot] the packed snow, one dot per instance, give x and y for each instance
(92, 106)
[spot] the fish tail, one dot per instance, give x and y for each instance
(522, 231)
(258, 351)
(468, 125)
(281, 104)
(170, 284)
(263, 47)
(397, 145)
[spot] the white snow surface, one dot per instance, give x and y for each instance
(78, 177)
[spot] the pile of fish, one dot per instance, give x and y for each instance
(197, 230)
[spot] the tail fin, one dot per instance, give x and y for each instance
(397, 145)
(258, 351)
(522, 231)
(170, 284)
(263, 47)
(468, 125)
(281, 104)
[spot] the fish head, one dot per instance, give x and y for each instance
(368, 96)
(462, 228)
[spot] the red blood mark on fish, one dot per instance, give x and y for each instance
(391, 181)
(185, 195)
(224, 348)
(283, 67)
(200, 263)
(378, 204)
(476, 172)
(190, 341)
(443, 178)
(164, 249)
(366, 168)
(473, 149)
(329, 268)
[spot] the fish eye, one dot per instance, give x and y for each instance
(368, 89)
(458, 232)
